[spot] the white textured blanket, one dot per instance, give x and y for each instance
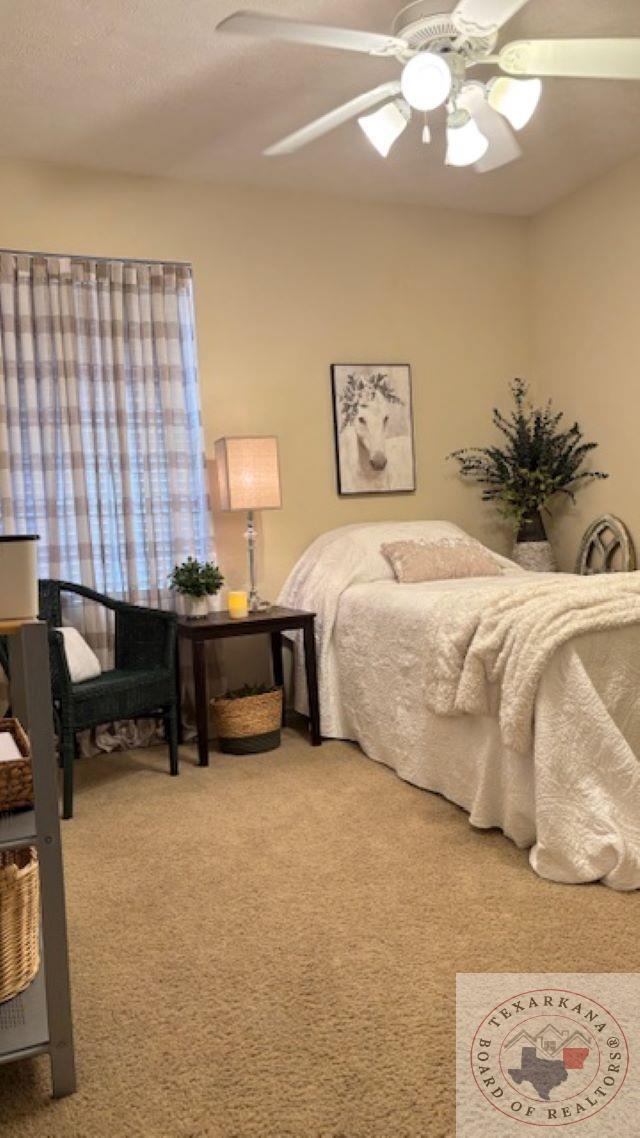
(491, 652)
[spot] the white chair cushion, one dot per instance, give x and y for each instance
(82, 660)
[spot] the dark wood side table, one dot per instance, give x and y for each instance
(275, 621)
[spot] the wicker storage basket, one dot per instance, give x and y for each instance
(16, 780)
(19, 921)
(250, 724)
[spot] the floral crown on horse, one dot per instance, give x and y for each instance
(360, 389)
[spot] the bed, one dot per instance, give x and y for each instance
(570, 788)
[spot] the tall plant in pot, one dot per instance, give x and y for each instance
(536, 459)
(196, 581)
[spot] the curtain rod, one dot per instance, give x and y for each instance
(90, 257)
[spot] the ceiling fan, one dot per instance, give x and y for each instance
(436, 53)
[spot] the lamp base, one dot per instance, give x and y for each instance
(256, 603)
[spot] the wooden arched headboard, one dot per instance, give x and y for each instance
(607, 547)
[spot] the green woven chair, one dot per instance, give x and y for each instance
(142, 684)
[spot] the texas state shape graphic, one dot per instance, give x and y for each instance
(543, 1074)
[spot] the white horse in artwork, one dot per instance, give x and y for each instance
(371, 459)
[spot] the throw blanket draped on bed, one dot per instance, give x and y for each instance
(496, 646)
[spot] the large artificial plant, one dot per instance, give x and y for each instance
(536, 460)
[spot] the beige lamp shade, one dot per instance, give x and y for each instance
(248, 473)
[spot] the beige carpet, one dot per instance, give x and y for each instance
(268, 948)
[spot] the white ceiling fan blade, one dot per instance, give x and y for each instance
(503, 145)
(477, 17)
(263, 26)
(333, 119)
(574, 59)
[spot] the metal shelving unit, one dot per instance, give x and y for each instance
(39, 1020)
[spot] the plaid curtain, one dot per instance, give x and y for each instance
(101, 449)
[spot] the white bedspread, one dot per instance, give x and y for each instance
(572, 793)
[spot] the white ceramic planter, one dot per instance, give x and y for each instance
(18, 577)
(214, 602)
(196, 606)
(537, 556)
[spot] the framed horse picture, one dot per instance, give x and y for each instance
(373, 424)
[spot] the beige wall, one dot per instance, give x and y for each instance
(585, 279)
(288, 283)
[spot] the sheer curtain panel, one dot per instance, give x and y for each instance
(101, 449)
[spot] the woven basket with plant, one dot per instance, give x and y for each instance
(248, 720)
(19, 921)
(16, 779)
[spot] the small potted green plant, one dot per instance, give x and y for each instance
(536, 460)
(248, 719)
(197, 582)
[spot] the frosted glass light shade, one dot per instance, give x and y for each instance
(385, 125)
(466, 144)
(248, 473)
(426, 81)
(516, 99)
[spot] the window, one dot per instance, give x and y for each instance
(100, 430)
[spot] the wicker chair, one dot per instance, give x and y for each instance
(143, 682)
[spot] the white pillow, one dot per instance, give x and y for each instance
(82, 660)
(446, 559)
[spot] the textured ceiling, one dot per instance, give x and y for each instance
(147, 86)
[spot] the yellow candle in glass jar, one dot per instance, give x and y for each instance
(238, 604)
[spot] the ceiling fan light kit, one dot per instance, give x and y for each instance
(426, 81)
(465, 142)
(385, 125)
(516, 99)
(436, 52)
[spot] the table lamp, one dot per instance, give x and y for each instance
(249, 479)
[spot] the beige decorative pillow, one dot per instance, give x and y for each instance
(441, 560)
